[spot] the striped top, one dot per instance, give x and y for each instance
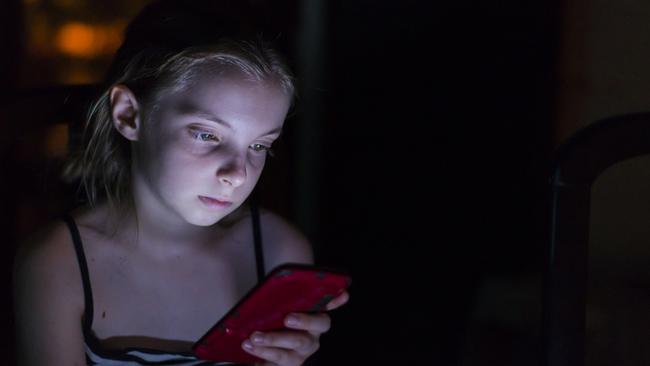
(97, 355)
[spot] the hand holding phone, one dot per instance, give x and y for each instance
(290, 288)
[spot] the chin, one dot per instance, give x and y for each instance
(205, 223)
(203, 219)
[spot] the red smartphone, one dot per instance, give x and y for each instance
(286, 289)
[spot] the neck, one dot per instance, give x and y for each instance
(159, 231)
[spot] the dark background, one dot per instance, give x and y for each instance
(433, 138)
(435, 163)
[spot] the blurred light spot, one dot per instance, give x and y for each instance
(87, 41)
(76, 39)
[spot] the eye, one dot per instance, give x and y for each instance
(204, 136)
(262, 148)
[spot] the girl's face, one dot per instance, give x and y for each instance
(207, 143)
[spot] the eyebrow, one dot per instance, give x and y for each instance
(189, 109)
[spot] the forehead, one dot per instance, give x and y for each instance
(232, 97)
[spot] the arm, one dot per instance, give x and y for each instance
(48, 301)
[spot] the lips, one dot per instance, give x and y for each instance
(215, 202)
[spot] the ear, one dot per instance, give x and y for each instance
(125, 112)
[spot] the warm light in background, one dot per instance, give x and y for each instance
(76, 39)
(72, 42)
(87, 41)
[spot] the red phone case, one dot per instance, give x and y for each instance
(288, 288)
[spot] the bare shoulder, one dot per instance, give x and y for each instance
(48, 254)
(48, 297)
(283, 241)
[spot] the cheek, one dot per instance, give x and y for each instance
(171, 172)
(155, 146)
(172, 166)
(256, 165)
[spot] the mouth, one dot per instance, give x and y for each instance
(214, 202)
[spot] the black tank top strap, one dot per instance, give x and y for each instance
(83, 267)
(257, 237)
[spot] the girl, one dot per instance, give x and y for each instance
(167, 243)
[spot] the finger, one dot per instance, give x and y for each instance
(275, 355)
(300, 342)
(313, 323)
(338, 301)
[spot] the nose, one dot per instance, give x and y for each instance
(233, 173)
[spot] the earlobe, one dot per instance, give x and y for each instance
(125, 112)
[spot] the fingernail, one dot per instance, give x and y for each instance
(258, 338)
(292, 321)
(247, 344)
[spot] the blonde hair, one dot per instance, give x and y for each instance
(102, 165)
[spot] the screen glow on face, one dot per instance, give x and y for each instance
(212, 140)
